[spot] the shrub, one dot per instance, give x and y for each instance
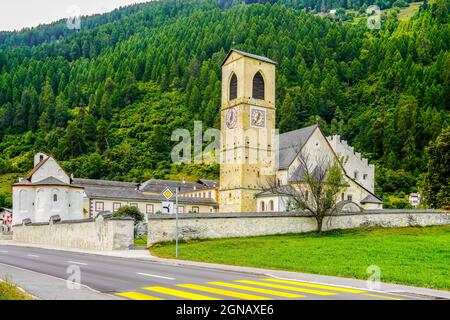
(128, 211)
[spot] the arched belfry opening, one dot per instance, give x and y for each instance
(233, 87)
(258, 86)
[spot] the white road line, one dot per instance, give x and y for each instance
(75, 262)
(3, 251)
(154, 276)
(33, 256)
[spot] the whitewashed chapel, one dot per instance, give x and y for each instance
(248, 103)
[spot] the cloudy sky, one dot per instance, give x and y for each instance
(17, 14)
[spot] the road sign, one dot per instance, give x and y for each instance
(167, 207)
(9, 219)
(167, 193)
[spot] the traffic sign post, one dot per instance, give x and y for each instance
(167, 205)
(176, 212)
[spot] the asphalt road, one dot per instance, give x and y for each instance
(148, 280)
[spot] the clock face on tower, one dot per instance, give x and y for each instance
(258, 118)
(231, 118)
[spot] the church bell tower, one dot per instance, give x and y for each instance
(247, 129)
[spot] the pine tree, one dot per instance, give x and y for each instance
(436, 182)
(102, 136)
(288, 117)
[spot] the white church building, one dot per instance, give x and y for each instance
(46, 191)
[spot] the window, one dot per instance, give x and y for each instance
(233, 87)
(41, 157)
(271, 206)
(350, 197)
(181, 209)
(306, 195)
(149, 208)
(55, 198)
(209, 194)
(99, 206)
(258, 86)
(263, 206)
(342, 196)
(364, 176)
(116, 206)
(356, 174)
(134, 205)
(195, 209)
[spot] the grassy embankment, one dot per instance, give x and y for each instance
(418, 256)
(10, 292)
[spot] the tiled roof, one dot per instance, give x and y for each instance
(250, 55)
(104, 183)
(291, 143)
(36, 168)
(132, 194)
(371, 199)
(299, 174)
(209, 183)
(158, 186)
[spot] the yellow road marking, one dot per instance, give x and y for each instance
(179, 293)
(137, 296)
(382, 297)
(279, 286)
(313, 285)
(222, 292)
(259, 290)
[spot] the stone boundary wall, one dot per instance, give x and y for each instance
(100, 233)
(226, 225)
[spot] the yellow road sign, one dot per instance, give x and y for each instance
(167, 193)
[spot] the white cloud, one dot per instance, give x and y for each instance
(18, 14)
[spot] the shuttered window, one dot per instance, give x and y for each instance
(233, 87)
(258, 86)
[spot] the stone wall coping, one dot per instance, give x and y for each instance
(283, 214)
(57, 220)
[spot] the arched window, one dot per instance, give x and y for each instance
(258, 86)
(55, 198)
(263, 206)
(271, 207)
(233, 87)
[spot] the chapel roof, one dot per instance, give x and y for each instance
(49, 181)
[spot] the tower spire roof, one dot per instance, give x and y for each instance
(250, 55)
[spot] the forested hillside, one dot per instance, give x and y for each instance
(104, 100)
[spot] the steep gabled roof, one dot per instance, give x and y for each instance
(291, 143)
(36, 168)
(250, 55)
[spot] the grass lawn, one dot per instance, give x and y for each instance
(418, 256)
(141, 241)
(10, 292)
